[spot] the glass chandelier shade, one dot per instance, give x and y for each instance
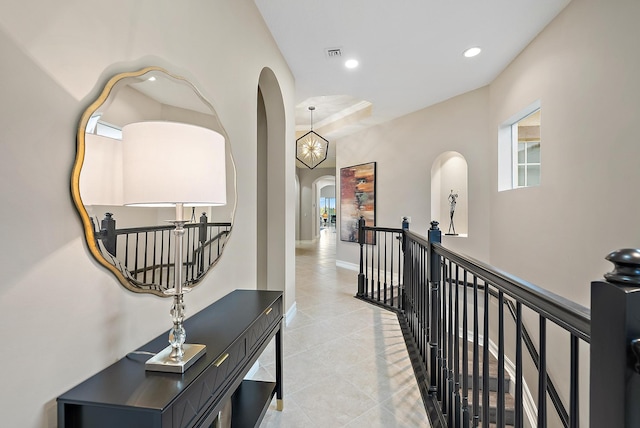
(312, 148)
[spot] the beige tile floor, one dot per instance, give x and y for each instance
(345, 361)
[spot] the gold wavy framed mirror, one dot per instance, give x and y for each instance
(131, 242)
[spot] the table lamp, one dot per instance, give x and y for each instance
(169, 164)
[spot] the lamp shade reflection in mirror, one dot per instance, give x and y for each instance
(125, 235)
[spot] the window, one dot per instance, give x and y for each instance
(327, 210)
(519, 159)
(526, 146)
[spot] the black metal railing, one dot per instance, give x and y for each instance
(381, 263)
(146, 253)
(452, 308)
(448, 332)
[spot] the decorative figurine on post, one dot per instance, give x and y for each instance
(452, 209)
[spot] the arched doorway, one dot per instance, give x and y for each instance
(271, 226)
(324, 197)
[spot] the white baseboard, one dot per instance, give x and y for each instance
(347, 265)
(291, 313)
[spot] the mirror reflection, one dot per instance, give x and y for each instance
(135, 243)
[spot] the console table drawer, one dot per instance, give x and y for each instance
(269, 318)
(201, 394)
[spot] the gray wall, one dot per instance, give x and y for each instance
(405, 151)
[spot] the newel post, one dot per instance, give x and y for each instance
(405, 226)
(435, 236)
(433, 273)
(615, 344)
(361, 239)
(108, 233)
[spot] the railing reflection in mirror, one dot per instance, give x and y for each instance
(145, 255)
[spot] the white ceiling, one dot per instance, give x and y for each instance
(410, 52)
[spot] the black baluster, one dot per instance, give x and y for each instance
(190, 242)
(542, 375)
(386, 234)
(126, 250)
(361, 277)
(202, 239)
(146, 251)
(435, 236)
(476, 356)
(441, 337)
(450, 360)
(574, 399)
(485, 359)
(456, 349)
(518, 398)
(369, 271)
(500, 407)
(428, 330)
(377, 241)
(444, 298)
(153, 262)
(401, 282)
(135, 264)
(161, 256)
(465, 355)
(373, 268)
(391, 286)
(169, 276)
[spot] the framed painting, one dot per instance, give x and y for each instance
(357, 198)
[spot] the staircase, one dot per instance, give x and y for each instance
(509, 414)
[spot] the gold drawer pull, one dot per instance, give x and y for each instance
(268, 311)
(221, 360)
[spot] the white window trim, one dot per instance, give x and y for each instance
(108, 130)
(508, 148)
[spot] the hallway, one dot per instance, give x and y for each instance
(345, 361)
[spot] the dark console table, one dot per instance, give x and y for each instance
(236, 330)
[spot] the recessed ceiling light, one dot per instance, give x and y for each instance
(152, 79)
(471, 52)
(352, 63)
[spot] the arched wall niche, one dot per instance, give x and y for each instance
(449, 174)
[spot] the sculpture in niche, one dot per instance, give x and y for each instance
(135, 243)
(453, 198)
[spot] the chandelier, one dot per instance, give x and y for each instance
(311, 148)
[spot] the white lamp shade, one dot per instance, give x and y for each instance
(166, 163)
